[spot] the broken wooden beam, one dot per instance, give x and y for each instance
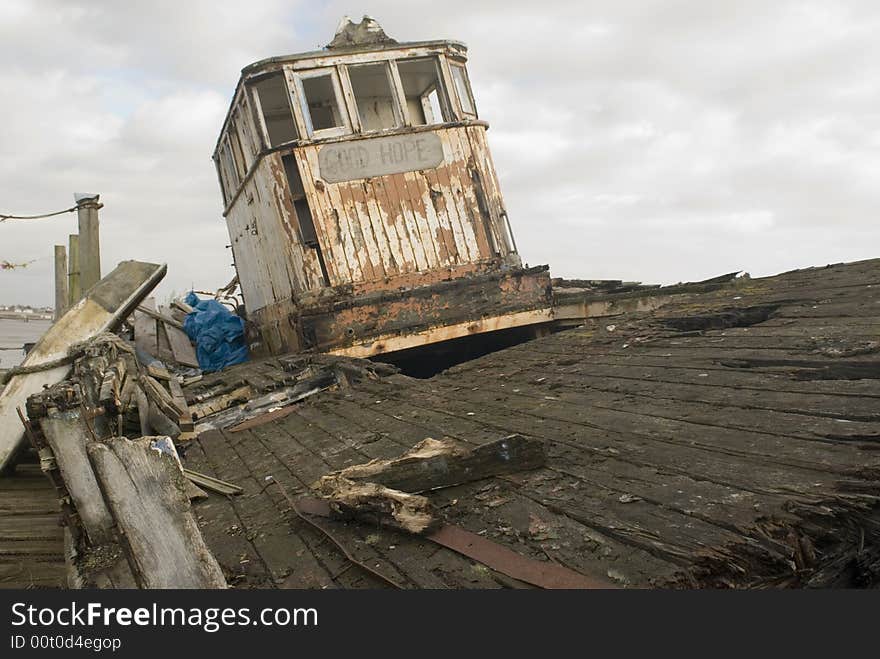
(433, 464)
(148, 309)
(185, 419)
(378, 504)
(103, 308)
(183, 306)
(159, 395)
(144, 485)
(68, 437)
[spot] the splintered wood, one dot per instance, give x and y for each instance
(144, 485)
(433, 464)
(126, 502)
(68, 437)
(371, 502)
(160, 335)
(385, 490)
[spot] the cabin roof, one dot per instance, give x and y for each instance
(727, 438)
(365, 36)
(327, 53)
(259, 65)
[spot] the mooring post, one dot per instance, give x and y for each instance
(89, 256)
(74, 293)
(60, 281)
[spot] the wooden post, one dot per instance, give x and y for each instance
(89, 241)
(74, 292)
(60, 280)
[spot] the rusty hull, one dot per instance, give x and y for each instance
(383, 321)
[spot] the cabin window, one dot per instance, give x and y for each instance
(300, 203)
(249, 142)
(321, 105)
(273, 105)
(237, 152)
(303, 212)
(424, 93)
(228, 175)
(463, 87)
(220, 179)
(373, 95)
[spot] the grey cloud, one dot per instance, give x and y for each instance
(660, 140)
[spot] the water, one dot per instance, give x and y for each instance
(14, 334)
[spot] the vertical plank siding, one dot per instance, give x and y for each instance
(369, 230)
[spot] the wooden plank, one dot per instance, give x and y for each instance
(163, 350)
(145, 329)
(29, 574)
(161, 314)
(185, 419)
(286, 558)
(181, 347)
(397, 243)
(145, 489)
(211, 483)
(66, 434)
(231, 540)
(39, 549)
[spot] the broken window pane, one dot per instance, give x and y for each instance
(273, 102)
(459, 75)
(374, 97)
(321, 102)
(237, 152)
(228, 178)
(422, 89)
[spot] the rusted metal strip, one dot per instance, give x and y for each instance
(506, 561)
(308, 509)
(491, 554)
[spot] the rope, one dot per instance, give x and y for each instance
(38, 368)
(4, 216)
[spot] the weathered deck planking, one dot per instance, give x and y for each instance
(727, 439)
(31, 537)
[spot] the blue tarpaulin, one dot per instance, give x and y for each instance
(217, 332)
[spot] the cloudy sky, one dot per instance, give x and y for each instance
(663, 141)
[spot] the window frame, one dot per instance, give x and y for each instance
(466, 80)
(442, 87)
(342, 106)
(397, 101)
(226, 167)
(253, 96)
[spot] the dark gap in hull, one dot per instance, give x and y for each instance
(427, 361)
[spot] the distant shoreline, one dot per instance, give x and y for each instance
(25, 317)
(16, 330)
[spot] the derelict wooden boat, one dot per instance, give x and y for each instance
(103, 308)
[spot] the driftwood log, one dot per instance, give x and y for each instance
(370, 502)
(433, 464)
(143, 483)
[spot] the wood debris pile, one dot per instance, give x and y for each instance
(104, 437)
(110, 438)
